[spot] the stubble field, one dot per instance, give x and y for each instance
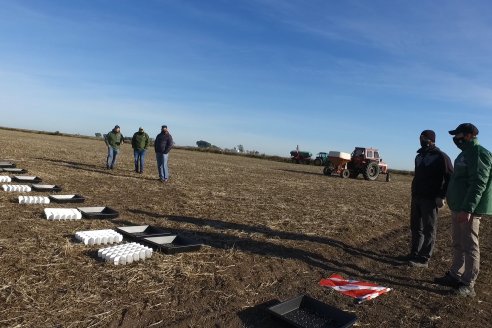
(271, 231)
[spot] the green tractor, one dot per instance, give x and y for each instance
(321, 159)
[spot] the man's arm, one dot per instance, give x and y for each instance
(448, 171)
(147, 141)
(479, 164)
(169, 144)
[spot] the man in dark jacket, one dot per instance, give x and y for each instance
(113, 140)
(469, 197)
(163, 144)
(433, 170)
(140, 143)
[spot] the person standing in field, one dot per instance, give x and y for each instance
(469, 197)
(140, 143)
(163, 144)
(113, 140)
(433, 170)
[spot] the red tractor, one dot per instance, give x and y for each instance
(362, 160)
(300, 157)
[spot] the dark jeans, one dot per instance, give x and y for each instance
(423, 223)
(139, 155)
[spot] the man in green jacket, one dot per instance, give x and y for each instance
(469, 197)
(113, 140)
(140, 143)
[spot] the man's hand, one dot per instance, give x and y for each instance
(464, 217)
(440, 202)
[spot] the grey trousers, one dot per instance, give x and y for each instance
(466, 250)
(423, 224)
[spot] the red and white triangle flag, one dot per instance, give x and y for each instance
(360, 290)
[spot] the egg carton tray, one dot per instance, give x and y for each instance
(16, 188)
(125, 254)
(62, 214)
(33, 200)
(99, 237)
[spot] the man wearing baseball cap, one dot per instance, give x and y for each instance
(163, 144)
(140, 143)
(469, 197)
(433, 170)
(113, 140)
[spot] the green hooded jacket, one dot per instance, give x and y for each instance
(140, 140)
(114, 139)
(470, 187)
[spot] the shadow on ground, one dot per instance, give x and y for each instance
(266, 248)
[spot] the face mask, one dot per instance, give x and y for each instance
(459, 142)
(424, 142)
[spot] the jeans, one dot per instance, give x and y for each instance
(423, 223)
(139, 155)
(162, 168)
(466, 250)
(111, 160)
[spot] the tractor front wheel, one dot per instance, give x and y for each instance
(345, 174)
(317, 162)
(371, 171)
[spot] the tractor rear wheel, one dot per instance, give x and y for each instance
(371, 171)
(345, 174)
(327, 170)
(317, 162)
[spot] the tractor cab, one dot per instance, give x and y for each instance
(321, 158)
(366, 153)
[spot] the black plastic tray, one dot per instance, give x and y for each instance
(172, 244)
(305, 311)
(13, 170)
(22, 178)
(142, 231)
(4, 164)
(65, 199)
(98, 212)
(45, 187)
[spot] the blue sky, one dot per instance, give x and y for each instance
(267, 74)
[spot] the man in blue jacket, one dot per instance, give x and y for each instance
(163, 144)
(469, 197)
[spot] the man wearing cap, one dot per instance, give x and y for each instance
(162, 145)
(469, 197)
(113, 140)
(140, 143)
(433, 170)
